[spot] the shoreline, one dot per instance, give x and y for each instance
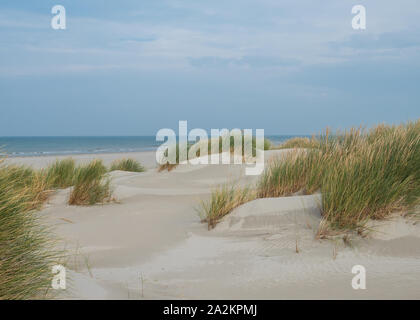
(146, 158)
(70, 154)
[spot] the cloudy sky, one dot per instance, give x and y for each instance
(131, 67)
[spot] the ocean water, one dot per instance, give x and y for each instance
(39, 146)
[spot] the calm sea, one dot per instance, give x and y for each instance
(38, 146)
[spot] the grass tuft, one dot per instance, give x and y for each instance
(298, 142)
(127, 165)
(34, 182)
(195, 147)
(223, 200)
(373, 177)
(60, 174)
(361, 175)
(90, 185)
(25, 245)
(296, 171)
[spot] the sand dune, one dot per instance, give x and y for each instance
(151, 243)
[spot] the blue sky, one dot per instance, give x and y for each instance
(131, 67)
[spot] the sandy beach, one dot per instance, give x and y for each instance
(151, 244)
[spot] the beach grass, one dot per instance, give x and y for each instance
(60, 174)
(25, 245)
(372, 176)
(91, 185)
(361, 175)
(223, 200)
(127, 165)
(296, 171)
(33, 181)
(170, 166)
(298, 142)
(194, 150)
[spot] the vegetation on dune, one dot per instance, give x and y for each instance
(297, 171)
(361, 175)
(193, 150)
(170, 166)
(90, 185)
(372, 176)
(267, 144)
(298, 142)
(223, 200)
(25, 246)
(25, 178)
(127, 165)
(60, 174)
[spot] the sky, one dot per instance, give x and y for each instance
(132, 67)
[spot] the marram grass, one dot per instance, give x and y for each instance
(26, 254)
(60, 174)
(223, 200)
(35, 182)
(370, 179)
(90, 185)
(296, 171)
(127, 165)
(193, 150)
(298, 142)
(361, 175)
(27, 251)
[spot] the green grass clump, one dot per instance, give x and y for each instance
(223, 200)
(26, 256)
(127, 165)
(361, 175)
(267, 144)
(90, 185)
(298, 142)
(34, 182)
(196, 150)
(60, 174)
(373, 177)
(170, 166)
(297, 171)
(26, 245)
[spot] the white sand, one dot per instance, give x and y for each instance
(152, 244)
(147, 158)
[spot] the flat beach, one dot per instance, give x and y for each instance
(151, 244)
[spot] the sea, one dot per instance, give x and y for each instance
(43, 146)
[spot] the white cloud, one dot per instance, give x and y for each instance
(268, 30)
